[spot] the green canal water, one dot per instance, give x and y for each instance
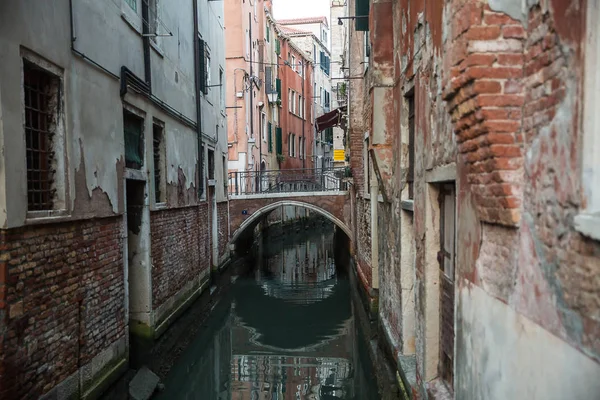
(285, 330)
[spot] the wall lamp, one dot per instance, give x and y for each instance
(340, 22)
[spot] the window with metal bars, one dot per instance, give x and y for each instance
(158, 152)
(42, 99)
(411, 146)
(211, 164)
(446, 258)
(134, 140)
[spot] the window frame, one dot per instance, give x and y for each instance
(587, 222)
(58, 143)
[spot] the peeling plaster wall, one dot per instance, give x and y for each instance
(513, 357)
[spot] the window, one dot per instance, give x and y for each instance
(268, 33)
(204, 66)
(158, 152)
(270, 136)
(315, 53)
(153, 19)
(300, 68)
(299, 148)
(446, 257)
(290, 139)
(211, 164)
(293, 102)
(411, 146)
(133, 128)
(300, 106)
(42, 118)
(263, 122)
(324, 37)
(290, 101)
(132, 4)
(222, 89)
(293, 62)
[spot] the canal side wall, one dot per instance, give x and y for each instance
(64, 326)
(490, 97)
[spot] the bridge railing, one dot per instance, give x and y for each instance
(287, 181)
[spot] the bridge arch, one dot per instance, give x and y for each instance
(261, 212)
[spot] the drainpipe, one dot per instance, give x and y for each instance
(303, 116)
(374, 231)
(198, 100)
(146, 43)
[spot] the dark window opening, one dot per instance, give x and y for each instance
(134, 140)
(42, 90)
(225, 173)
(411, 146)
(446, 258)
(211, 164)
(159, 162)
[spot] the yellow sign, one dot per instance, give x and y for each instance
(339, 155)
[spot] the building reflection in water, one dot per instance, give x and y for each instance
(288, 332)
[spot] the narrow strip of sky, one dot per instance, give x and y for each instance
(286, 9)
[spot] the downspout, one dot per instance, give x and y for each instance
(251, 92)
(146, 44)
(80, 54)
(198, 101)
(303, 117)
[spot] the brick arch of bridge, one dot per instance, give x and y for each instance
(246, 213)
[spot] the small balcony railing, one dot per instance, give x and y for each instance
(288, 181)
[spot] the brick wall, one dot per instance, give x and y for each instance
(485, 98)
(61, 301)
(223, 216)
(363, 223)
(180, 249)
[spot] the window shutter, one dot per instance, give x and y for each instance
(361, 9)
(270, 137)
(202, 62)
(279, 140)
(278, 86)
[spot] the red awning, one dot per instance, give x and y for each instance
(329, 120)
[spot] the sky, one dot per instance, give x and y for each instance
(285, 9)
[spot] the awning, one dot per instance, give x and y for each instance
(330, 119)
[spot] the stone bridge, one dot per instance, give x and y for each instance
(246, 211)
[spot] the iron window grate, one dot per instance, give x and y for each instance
(41, 102)
(157, 138)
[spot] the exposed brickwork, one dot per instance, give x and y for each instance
(61, 301)
(363, 226)
(568, 261)
(485, 98)
(223, 214)
(180, 249)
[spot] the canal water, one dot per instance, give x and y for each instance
(285, 330)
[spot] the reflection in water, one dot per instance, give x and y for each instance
(287, 332)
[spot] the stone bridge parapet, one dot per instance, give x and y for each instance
(245, 211)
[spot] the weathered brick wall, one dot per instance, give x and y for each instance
(363, 245)
(223, 216)
(180, 249)
(61, 301)
(485, 97)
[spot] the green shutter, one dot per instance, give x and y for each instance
(278, 47)
(268, 33)
(279, 140)
(278, 86)
(270, 127)
(361, 9)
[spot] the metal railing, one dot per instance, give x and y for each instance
(287, 181)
